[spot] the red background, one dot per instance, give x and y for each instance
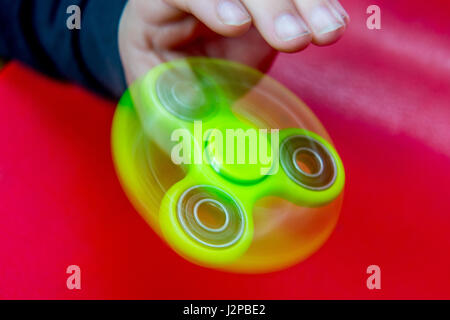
(383, 95)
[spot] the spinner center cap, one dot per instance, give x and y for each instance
(238, 154)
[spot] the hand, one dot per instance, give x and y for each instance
(247, 31)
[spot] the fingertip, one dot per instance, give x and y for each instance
(293, 45)
(229, 30)
(290, 33)
(329, 37)
(226, 17)
(326, 22)
(233, 17)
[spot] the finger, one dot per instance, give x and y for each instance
(175, 34)
(279, 23)
(262, 56)
(225, 17)
(326, 22)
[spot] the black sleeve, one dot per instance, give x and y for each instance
(35, 32)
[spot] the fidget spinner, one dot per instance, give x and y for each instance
(227, 165)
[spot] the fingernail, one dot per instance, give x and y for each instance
(289, 27)
(232, 14)
(322, 20)
(339, 8)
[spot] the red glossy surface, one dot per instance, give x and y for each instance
(384, 97)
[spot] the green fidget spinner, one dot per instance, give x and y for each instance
(229, 161)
